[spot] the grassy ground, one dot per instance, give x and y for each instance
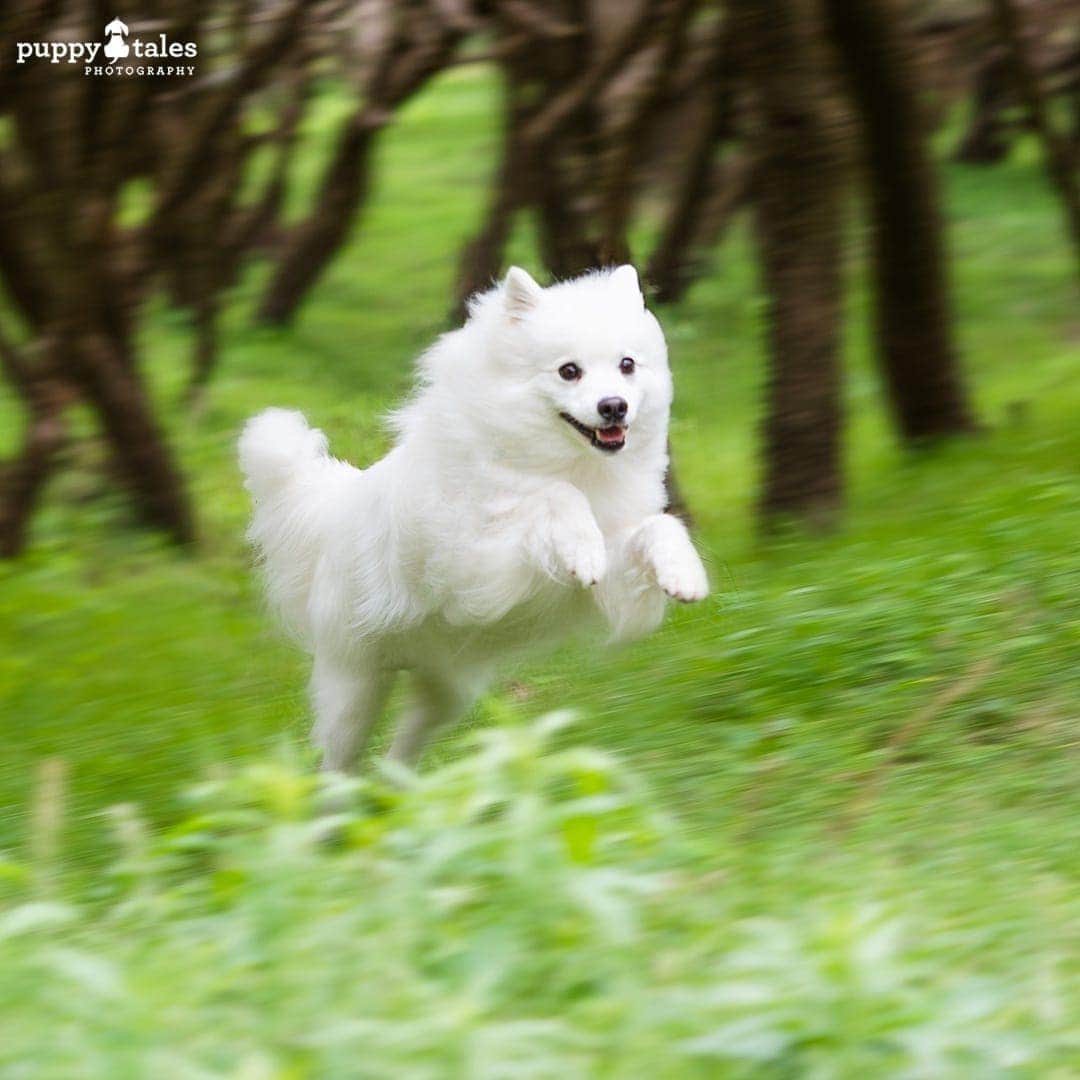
(866, 737)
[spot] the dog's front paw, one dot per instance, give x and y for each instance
(683, 579)
(664, 546)
(579, 549)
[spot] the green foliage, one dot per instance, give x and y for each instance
(525, 911)
(868, 739)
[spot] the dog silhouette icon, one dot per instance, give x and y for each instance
(116, 48)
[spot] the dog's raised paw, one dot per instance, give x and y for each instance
(663, 547)
(589, 570)
(579, 548)
(684, 580)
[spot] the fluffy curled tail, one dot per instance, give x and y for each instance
(276, 446)
(293, 482)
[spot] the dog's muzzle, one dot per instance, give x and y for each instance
(610, 439)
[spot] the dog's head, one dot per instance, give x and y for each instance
(586, 364)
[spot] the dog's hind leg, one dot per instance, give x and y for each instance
(436, 701)
(348, 701)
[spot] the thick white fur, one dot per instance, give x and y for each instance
(491, 526)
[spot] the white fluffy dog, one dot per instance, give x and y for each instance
(523, 497)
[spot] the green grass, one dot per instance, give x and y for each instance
(856, 840)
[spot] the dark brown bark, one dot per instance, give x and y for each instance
(1058, 155)
(584, 83)
(797, 218)
(481, 258)
(676, 501)
(23, 479)
(216, 114)
(1074, 138)
(254, 226)
(575, 129)
(19, 273)
(915, 338)
(525, 169)
(561, 161)
(343, 189)
(620, 177)
(76, 276)
(673, 260)
(405, 64)
(206, 349)
(565, 243)
(100, 370)
(986, 140)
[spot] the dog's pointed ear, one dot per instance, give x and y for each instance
(625, 279)
(520, 293)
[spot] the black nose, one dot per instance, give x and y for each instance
(612, 409)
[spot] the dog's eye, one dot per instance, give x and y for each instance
(627, 365)
(570, 372)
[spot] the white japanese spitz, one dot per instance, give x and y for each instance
(523, 500)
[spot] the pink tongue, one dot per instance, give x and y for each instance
(610, 434)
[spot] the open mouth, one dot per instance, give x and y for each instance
(608, 439)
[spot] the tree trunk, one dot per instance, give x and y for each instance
(986, 141)
(913, 312)
(559, 160)
(481, 259)
(75, 268)
(206, 348)
(672, 261)
(405, 64)
(676, 501)
(114, 390)
(619, 185)
(1056, 150)
(797, 217)
(343, 189)
(24, 479)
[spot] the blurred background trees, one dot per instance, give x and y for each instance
(110, 189)
(630, 131)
